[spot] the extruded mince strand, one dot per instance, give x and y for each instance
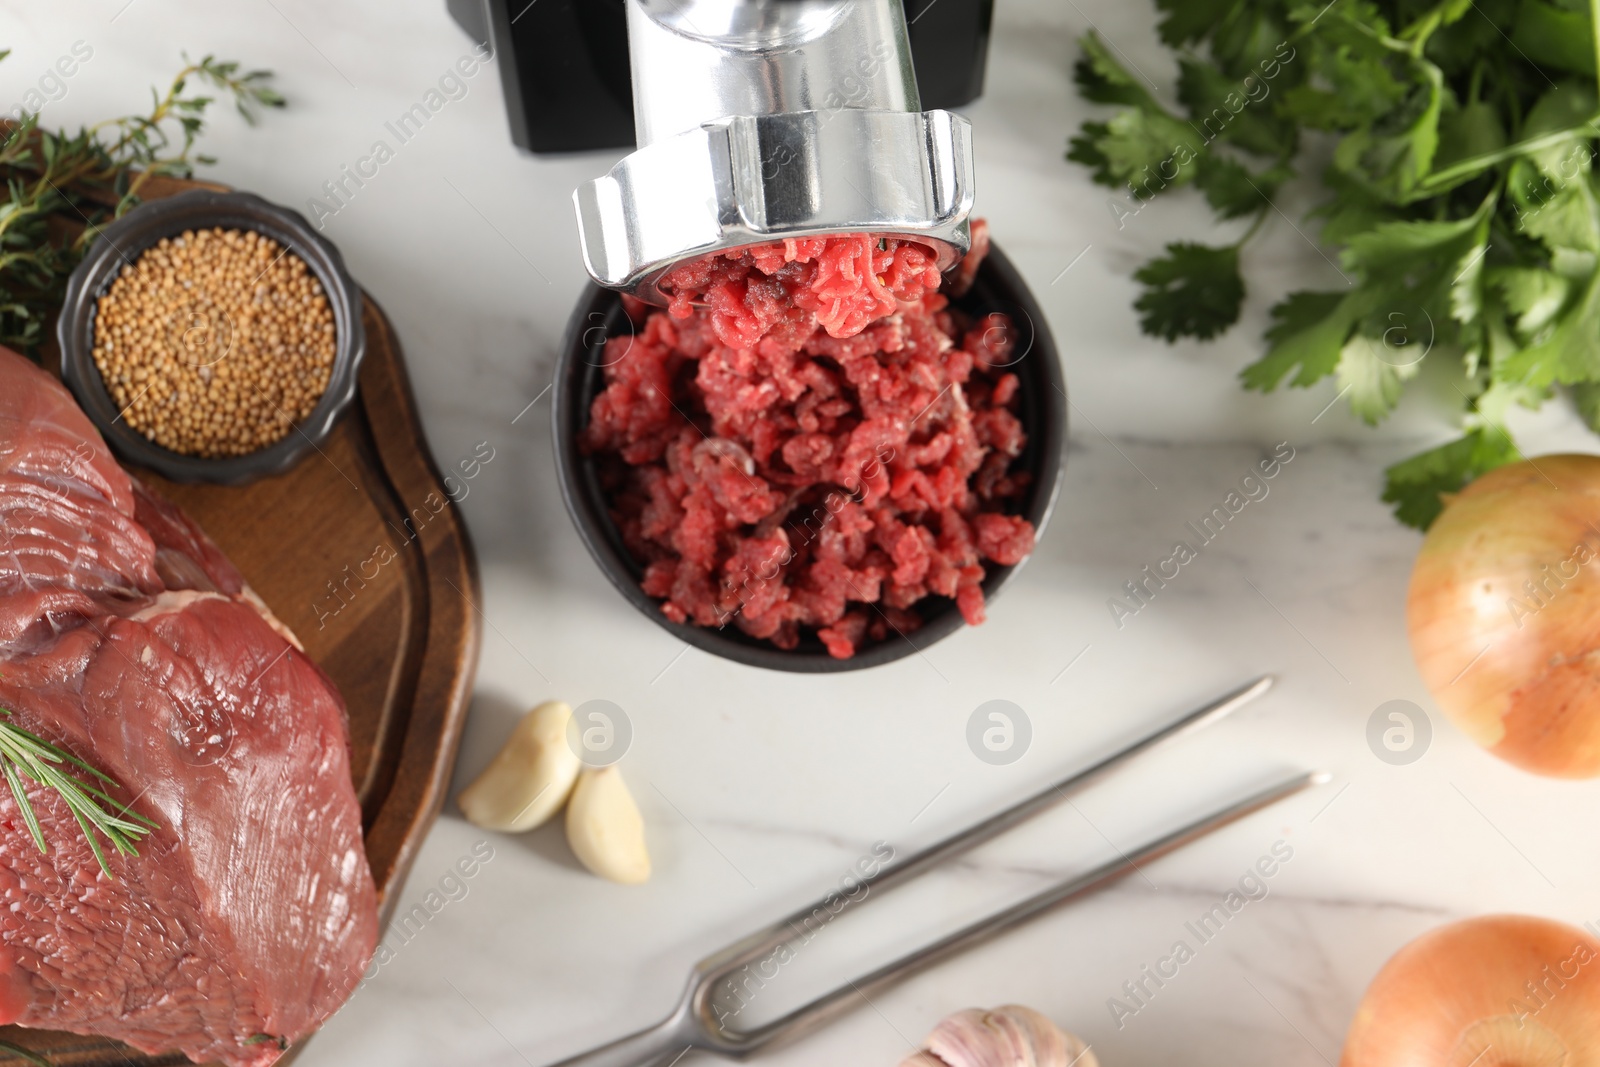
(810, 439)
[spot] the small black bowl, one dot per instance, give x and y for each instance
(580, 376)
(121, 243)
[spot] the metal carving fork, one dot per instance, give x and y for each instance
(693, 1024)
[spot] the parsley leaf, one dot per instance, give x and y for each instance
(1468, 132)
(1534, 295)
(1393, 161)
(1560, 216)
(1351, 210)
(1568, 353)
(1232, 189)
(1085, 149)
(1142, 146)
(1228, 109)
(1562, 38)
(1252, 34)
(1148, 150)
(1372, 370)
(1355, 79)
(1193, 291)
(1307, 333)
(1416, 486)
(1567, 111)
(1586, 397)
(1187, 21)
(1400, 252)
(1103, 79)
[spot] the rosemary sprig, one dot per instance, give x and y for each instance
(24, 754)
(53, 173)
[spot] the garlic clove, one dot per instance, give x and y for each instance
(1009, 1036)
(605, 829)
(530, 778)
(1040, 1041)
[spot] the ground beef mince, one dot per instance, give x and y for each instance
(810, 439)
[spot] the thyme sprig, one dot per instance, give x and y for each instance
(73, 175)
(24, 754)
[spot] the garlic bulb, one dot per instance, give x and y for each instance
(1497, 991)
(1009, 1036)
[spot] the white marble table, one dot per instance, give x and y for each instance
(761, 790)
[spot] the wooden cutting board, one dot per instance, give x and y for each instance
(399, 638)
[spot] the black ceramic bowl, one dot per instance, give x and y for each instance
(580, 375)
(121, 243)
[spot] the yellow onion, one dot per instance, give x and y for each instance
(1504, 613)
(1497, 991)
(1009, 1036)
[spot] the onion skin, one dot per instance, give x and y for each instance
(1459, 995)
(1532, 695)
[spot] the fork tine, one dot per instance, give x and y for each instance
(755, 944)
(826, 1006)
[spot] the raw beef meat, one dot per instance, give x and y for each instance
(127, 638)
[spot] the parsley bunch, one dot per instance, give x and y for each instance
(1461, 198)
(62, 175)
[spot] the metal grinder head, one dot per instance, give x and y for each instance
(759, 120)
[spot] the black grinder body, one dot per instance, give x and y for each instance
(564, 65)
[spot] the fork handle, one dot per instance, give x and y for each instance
(656, 1046)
